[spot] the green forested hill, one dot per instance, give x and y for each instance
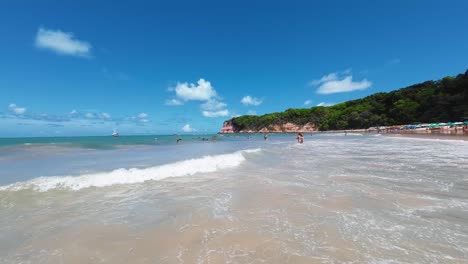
(428, 102)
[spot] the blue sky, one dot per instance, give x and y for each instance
(163, 67)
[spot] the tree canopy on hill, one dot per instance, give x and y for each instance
(427, 102)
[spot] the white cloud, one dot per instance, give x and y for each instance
(345, 85)
(90, 115)
(73, 112)
(339, 82)
(215, 113)
(251, 112)
(203, 91)
(325, 78)
(16, 109)
(174, 102)
(104, 116)
(308, 102)
(212, 105)
(248, 100)
(62, 43)
(347, 71)
(142, 115)
(325, 104)
(187, 128)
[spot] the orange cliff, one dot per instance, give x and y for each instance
(289, 127)
(227, 128)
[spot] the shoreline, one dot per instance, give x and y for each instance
(440, 136)
(400, 133)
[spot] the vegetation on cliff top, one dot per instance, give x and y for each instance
(427, 102)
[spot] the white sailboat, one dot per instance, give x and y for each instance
(115, 134)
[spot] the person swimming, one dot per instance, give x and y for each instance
(300, 138)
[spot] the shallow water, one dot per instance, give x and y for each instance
(333, 199)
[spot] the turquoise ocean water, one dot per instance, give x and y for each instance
(360, 198)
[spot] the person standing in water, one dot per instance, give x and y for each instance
(300, 138)
(265, 136)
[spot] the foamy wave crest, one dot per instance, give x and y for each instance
(134, 175)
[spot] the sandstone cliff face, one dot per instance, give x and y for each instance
(228, 128)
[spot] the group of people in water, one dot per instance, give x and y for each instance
(214, 138)
(300, 138)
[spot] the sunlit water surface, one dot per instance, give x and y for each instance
(333, 199)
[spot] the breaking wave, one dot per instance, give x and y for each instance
(133, 175)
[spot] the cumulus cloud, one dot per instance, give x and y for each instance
(248, 100)
(141, 117)
(202, 91)
(63, 43)
(104, 116)
(324, 79)
(347, 71)
(16, 109)
(251, 112)
(212, 105)
(345, 85)
(325, 104)
(90, 115)
(174, 102)
(188, 128)
(308, 102)
(339, 83)
(219, 113)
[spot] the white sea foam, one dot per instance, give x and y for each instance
(133, 175)
(446, 139)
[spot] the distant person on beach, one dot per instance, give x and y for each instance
(265, 137)
(300, 138)
(345, 133)
(178, 140)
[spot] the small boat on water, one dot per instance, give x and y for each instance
(115, 134)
